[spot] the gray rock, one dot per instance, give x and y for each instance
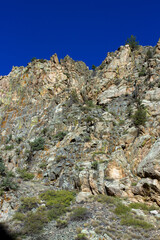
(150, 165)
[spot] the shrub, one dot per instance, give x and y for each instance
(94, 165)
(107, 199)
(2, 167)
(81, 236)
(8, 183)
(140, 116)
(142, 72)
(9, 138)
(122, 209)
(74, 96)
(38, 144)
(18, 216)
(130, 221)
(132, 43)
(33, 59)
(60, 135)
(24, 174)
(62, 197)
(18, 140)
(28, 203)
(93, 67)
(43, 165)
(9, 147)
(142, 206)
(61, 223)
(34, 222)
(79, 213)
(56, 211)
(148, 54)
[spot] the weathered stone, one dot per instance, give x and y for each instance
(150, 165)
(82, 197)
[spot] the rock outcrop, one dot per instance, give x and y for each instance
(73, 128)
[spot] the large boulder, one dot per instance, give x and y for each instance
(150, 165)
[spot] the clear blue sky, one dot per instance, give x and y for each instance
(85, 30)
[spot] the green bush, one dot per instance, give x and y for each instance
(148, 54)
(8, 183)
(9, 147)
(56, 211)
(34, 222)
(33, 59)
(93, 67)
(142, 206)
(2, 167)
(38, 144)
(62, 197)
(25, 175)
(19, 216)
(140, 116)
(61, 223)
(94, 165)
(28, 203)
(122, 209)
(79, 213)
(81, 236)
(107, 199)
(130, 221)
(142, 72)
(74, 96)
(60, 135)
(132, 43)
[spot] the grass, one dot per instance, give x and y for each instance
(142, 206)
(26, 176)
(130, 221)
(107, 199)
(122, 209)
(79, 213)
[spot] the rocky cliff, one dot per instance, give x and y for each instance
(65, 127)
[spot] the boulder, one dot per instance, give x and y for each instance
(150, 165)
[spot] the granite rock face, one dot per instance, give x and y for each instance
(73, 128)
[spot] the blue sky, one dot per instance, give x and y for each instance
(85, 30)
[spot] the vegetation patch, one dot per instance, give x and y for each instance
(61, 223)
(81, 236)
(38, 144)
(60, 135)
(61, 197)
(94, 165)
(28, 203)
(9, 147)
(130, 221)
(107, 199)
(34, 222)
(24, 174)
(122, 209)
(79, 213)
(142, 206)
(7, 183)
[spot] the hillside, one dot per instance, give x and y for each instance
(95, 135)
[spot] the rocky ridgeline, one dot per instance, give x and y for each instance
(64, 126)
